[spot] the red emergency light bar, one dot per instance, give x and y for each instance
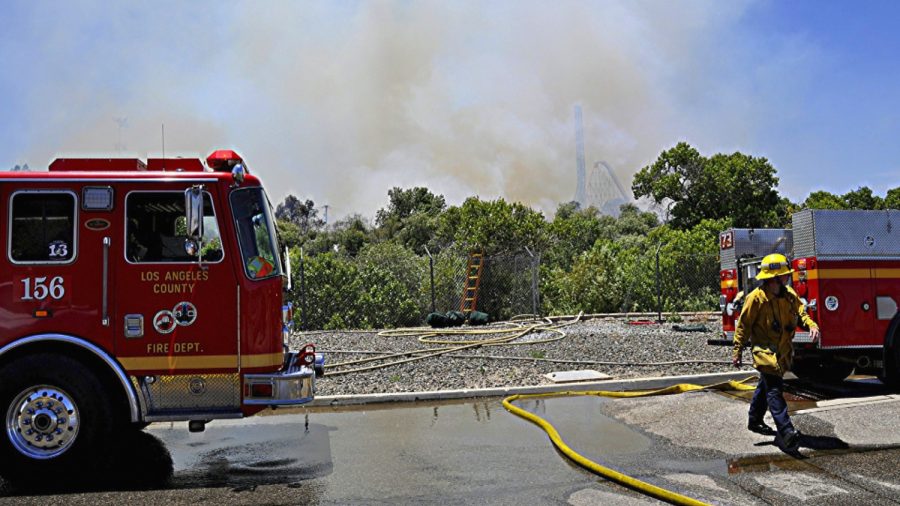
(220, 160)
(223, 159)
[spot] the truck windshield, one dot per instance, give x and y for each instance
(256, 233)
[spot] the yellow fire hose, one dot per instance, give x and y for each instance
(610, 474)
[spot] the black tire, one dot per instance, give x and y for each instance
(46, 400)
(890, 374)
(826, 371)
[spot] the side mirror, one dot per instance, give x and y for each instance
(193, 212)
(190, 248)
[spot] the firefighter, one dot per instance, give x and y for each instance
(768, 321)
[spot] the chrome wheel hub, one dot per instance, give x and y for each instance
(42, 422)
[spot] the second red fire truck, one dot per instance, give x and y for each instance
(847, 271)
(136, 292)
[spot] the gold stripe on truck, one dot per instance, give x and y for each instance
(194, 362)
(880, 273)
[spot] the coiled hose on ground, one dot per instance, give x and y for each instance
(509, 332)
(506, 335)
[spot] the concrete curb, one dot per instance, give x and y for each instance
(619, 385)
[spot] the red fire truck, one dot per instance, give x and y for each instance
(847, 272)
(138, 292)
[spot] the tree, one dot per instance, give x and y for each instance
(351, 234)
(574, 231)
(786, 210)
(892, 199)
(633, 221)
(860, 198)
(332, 289)
(595, 284)
(303, 214)
(737, 187)
(863, 198)
(289, 233)
(394, 285)
(495, 226)
(411, 217)
(404, 203)
(824, 200)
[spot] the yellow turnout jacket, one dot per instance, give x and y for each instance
(768, 323)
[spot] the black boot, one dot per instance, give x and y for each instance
(760, 428)
(791, 438)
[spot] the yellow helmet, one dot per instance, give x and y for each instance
(774, 265)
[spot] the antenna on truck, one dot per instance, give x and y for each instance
(163, 146)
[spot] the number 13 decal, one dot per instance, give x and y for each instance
(58, 249)
(39, 289)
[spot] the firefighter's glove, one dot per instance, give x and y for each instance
(736, 359)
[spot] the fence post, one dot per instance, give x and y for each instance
(302, 292)
(658, 287)
(534, 295)
(431, 269)
(536, 284)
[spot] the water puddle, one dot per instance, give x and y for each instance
(585, 428)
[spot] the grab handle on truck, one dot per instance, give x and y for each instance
(105, 302)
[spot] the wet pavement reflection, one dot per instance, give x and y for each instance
(585, 428)
(167, 456)
(425, 451)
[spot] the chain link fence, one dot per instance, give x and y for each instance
(389, 286)
(674, 283)
(509, 284)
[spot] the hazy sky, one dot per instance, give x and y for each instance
(340, 101)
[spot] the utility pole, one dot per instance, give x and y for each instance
(122, 122)
(580, 193)
(326, 206)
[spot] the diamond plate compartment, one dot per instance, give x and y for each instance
(848, 235)
(190, 392)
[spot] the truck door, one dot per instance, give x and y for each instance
(54, 257)
(174, 315)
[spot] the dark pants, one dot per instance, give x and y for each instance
(769, 395)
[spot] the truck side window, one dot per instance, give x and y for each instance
(156, 229)
(43, 227)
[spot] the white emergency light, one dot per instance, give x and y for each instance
(97, 198)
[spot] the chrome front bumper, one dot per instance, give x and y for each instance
(294, 384)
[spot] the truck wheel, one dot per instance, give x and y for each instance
(58, 421)
(818, 370)
(890, 374)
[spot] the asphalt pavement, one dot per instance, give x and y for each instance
(473, 451)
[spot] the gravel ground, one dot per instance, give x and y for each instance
(621, 344)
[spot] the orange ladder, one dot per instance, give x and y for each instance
(473, 280)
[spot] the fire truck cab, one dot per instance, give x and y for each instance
(847, 272)
(137, 292)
